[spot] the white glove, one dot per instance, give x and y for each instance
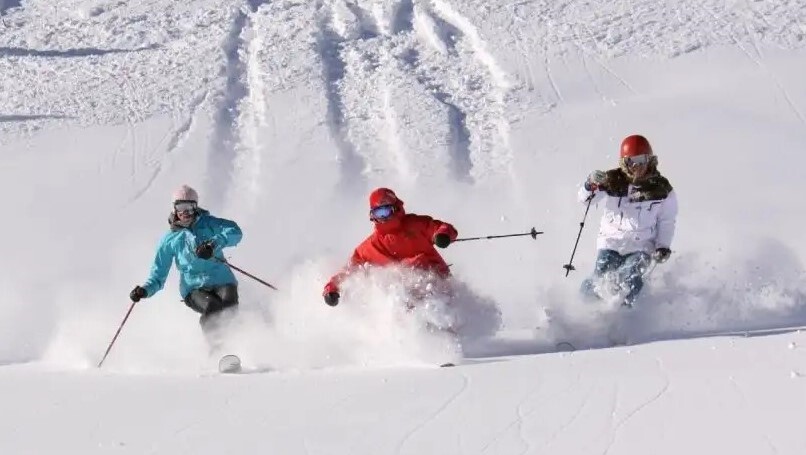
(597, 177)
(595, 180)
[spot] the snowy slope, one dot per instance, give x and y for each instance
(670, 398)
(285, 114)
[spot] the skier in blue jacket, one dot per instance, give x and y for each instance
(195, 243)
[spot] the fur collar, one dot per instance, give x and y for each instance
(653, 187)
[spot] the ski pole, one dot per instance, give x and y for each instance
(568, 267)
(533, 233)
(109, 348)
(247, 274)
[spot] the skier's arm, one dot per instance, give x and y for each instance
(666, 221)
(356, 260)
(335, 281)
(433, 227)
(229, 233)
(159, 269)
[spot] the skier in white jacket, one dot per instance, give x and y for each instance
(640, 209)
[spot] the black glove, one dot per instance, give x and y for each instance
(138, 293)
(662, 255)
(332, 298)
(205, 249)
(442, 240)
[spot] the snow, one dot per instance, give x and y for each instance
(285, 114)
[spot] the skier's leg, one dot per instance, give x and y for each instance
(606, 260)
(214, 317)
(228, 295)
(205, 301)
(631, 275)
(199, 300)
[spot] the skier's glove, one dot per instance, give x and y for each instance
(331, 294)
(442, 240)
(138, 293)
(662, 255)
(205, 250)
(332, 298)
(595, 180)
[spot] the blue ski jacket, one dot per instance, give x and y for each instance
(179, 246)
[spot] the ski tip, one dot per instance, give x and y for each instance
(230, 363)
(565, 346)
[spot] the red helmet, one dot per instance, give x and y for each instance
(635, 145)
(383, 196)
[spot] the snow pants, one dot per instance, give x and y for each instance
(628, 269)
(210, 302)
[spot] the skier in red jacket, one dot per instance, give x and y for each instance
(398, 238)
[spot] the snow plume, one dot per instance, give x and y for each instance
(23, 332)
(161, 334)
(743, 290)
(372, 325)
(753, 288)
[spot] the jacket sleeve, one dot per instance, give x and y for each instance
(583, 194)
(355, 260)
(160, 268)
(666, 221)
(229, 233)
(433, 227)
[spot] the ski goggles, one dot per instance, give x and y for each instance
(382, 213)
(185, 206)
(638, 160)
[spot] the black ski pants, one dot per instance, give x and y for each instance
(211, 301)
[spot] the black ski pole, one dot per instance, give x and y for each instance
(533, 233)
(568, 267)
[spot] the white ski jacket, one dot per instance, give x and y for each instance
(628, 227)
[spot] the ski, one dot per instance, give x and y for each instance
(229, 363)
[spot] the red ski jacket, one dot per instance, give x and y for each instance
(406, 239)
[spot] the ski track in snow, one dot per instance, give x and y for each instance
(752, 422)
(436, 413)
(333, 71)
(174, 139)
(598, 32)
(757, 60)
(572, 419)
(371, 49)
(234, 154)
(146, 46)
(616, 430)
(254, 114)
(520, 416)
(224, 138)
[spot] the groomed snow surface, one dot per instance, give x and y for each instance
(285, 114)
